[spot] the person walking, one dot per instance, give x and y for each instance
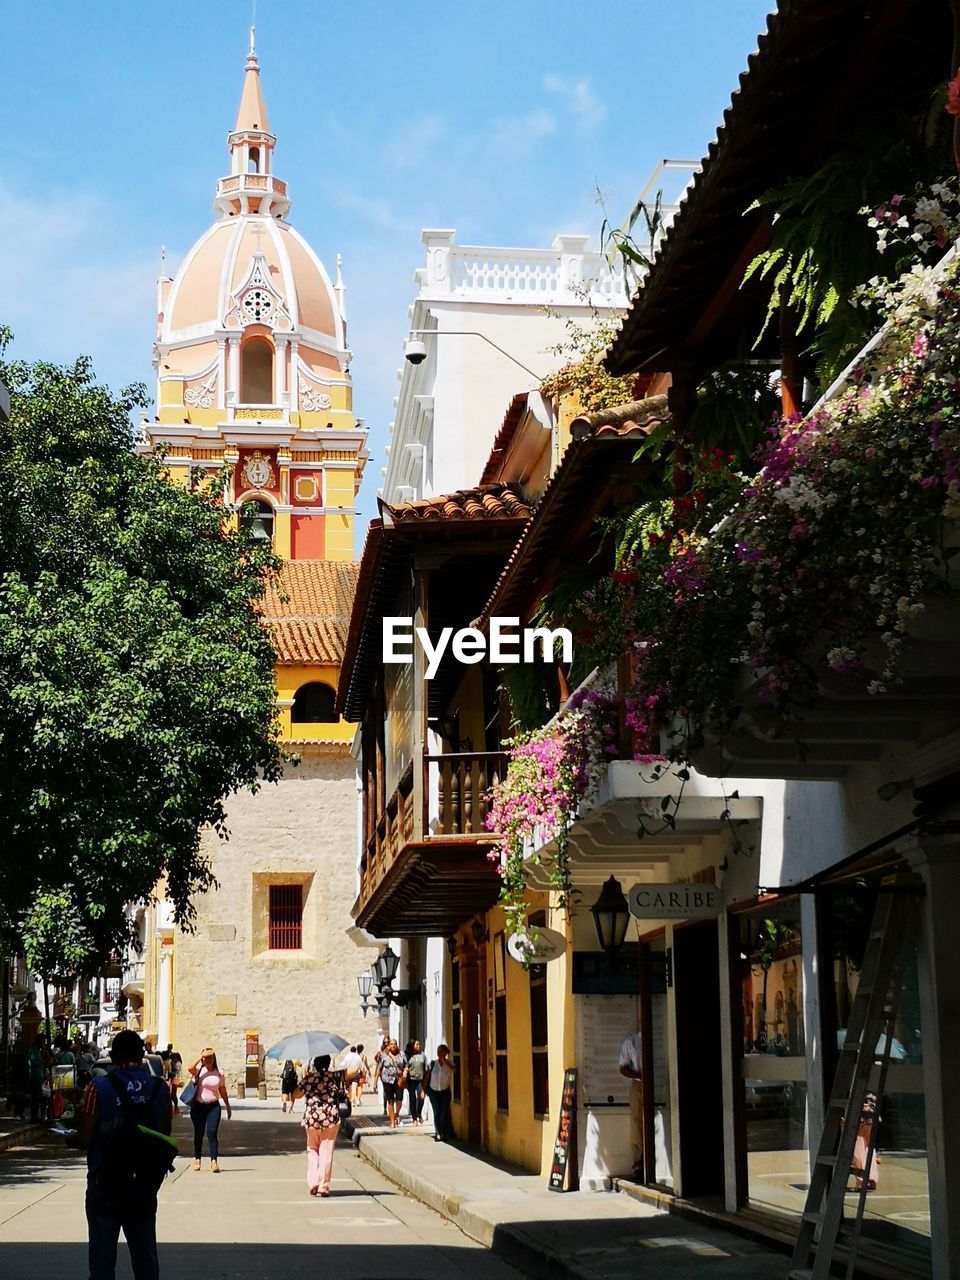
(365, 1073)
(390, 1068)
(288, 1085)
(205, 1111)
(416, 1069)
(439, 1082)
(113, 1203)
(176, 1067)
(321, 1088)
(40, 1062)
(352, 1067)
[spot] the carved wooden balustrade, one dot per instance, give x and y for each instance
(453, 792)
(459, 782)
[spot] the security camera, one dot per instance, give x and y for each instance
(415, 351)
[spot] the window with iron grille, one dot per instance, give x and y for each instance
(456, 1023)
(538, 1028)
(538, 1040)
(500, 1022)
(286, 917)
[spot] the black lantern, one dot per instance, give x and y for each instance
(364, 983)
(385, 968)
(611, 915)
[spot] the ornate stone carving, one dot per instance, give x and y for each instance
(313, 400)
(201, 397)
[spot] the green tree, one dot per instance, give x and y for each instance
(136, 680)
(55, 940)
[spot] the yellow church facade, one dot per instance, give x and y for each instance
(253, 381)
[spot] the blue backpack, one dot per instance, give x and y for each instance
(136, 1158)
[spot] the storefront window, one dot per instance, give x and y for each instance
(774, 1067)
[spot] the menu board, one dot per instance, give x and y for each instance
(605, 1022)
(661, 1080)
(565, 1147)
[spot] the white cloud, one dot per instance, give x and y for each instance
(67, 288)
(412, 148)
(370, 209)
(517, 132)
(578, 97)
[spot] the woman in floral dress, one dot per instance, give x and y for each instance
(321, 1119)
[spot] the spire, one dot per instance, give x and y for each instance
(251, 186)
(252, 116)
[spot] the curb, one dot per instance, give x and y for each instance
(513, 1244)
(19, 1136)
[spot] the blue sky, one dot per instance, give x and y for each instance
(498, 119)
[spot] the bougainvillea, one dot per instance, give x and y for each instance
(551, 771)
(831, 550)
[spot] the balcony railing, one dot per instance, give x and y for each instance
(460, 782)
(452, 792)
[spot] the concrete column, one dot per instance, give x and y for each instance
(938, 862)
(812, 1015)
(165, 993)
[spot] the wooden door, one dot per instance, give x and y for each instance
(696, 977)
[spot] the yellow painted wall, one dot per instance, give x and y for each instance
(515, 1135)
(289, 679)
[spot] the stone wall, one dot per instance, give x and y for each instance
(226, 980)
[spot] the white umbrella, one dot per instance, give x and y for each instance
(304, 1046)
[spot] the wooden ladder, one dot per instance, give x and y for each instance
(872, 1016)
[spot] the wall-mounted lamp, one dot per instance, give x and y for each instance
(479, 931)
(611, 915)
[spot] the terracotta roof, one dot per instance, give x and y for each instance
(575, 489)
(307, 609)
(488, 514)
(508, 429)
(774, 129)
(485, 502)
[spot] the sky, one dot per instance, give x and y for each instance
(502, 119)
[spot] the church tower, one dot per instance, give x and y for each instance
(253, 373)
(251, 356)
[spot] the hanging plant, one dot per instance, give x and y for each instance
(551, 771)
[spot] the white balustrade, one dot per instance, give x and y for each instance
(564, 275)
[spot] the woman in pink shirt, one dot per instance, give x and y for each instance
(205, 1107)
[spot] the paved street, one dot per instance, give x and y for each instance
(253, 1221)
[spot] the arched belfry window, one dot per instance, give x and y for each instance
(253, 160)
(256, 372)
(313, 704)
(256, 517)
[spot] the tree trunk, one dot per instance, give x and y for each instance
(46, 1008)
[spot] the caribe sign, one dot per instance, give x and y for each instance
(674, 901)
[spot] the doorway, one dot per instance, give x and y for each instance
(696, 976)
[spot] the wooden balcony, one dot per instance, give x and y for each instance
(425, 868)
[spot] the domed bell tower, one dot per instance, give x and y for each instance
(253, 368)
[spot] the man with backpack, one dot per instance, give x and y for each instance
(124, 1118)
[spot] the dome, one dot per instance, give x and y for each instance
(246, 268)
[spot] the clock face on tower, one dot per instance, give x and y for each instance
(258, 472)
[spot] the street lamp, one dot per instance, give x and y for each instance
(611, 915)
(415, 351)
(384, 968)
(364, 983)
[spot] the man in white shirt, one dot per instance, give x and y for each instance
(439, 1090)
(352, 1065)
(631, 1066)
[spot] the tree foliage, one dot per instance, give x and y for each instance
(55, 938)
(136, 681)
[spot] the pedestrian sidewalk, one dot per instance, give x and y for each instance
(14, 1131)
(576, 1235)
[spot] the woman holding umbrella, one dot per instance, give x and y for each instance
(321, 1088)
